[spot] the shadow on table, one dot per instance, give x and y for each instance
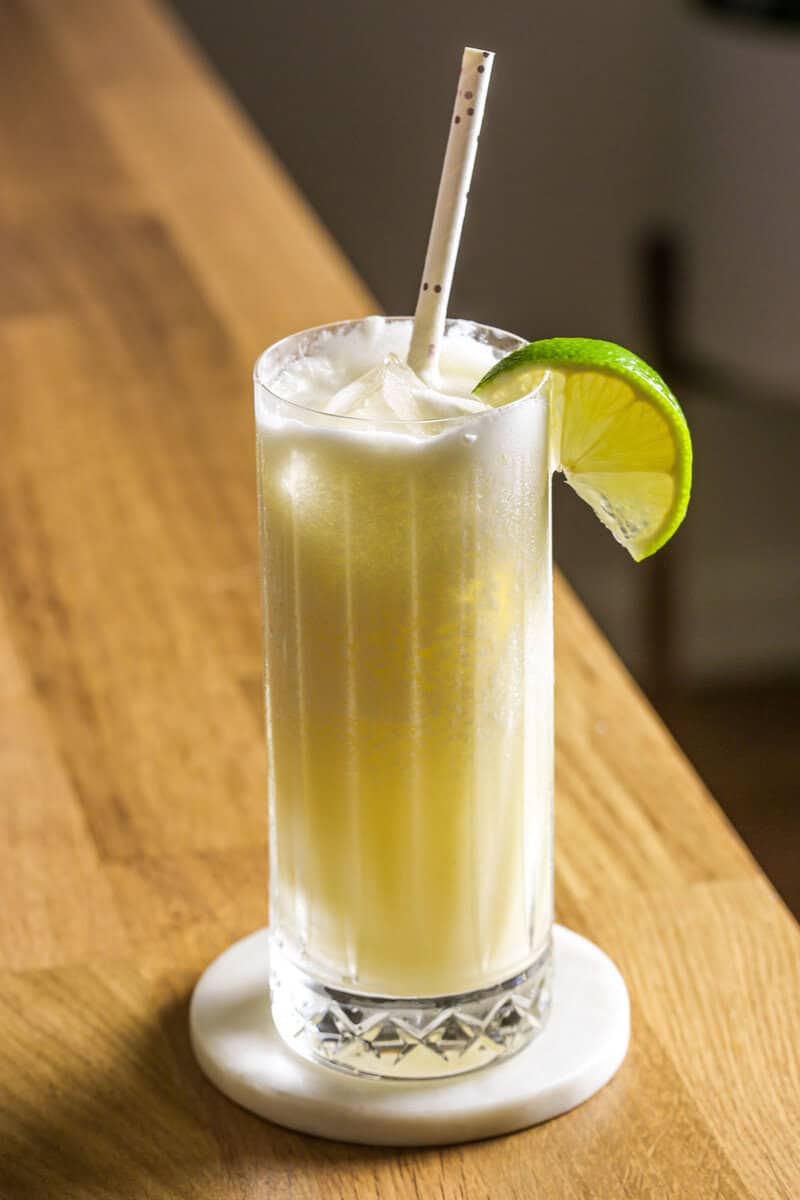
(150, 1125)
(107, 1103)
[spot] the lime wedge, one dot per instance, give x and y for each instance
(618, 433)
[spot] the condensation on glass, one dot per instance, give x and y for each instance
(407, 590)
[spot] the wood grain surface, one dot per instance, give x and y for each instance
(150, 246)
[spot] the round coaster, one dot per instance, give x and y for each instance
(238, 1048)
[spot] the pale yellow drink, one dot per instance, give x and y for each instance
(408, 629)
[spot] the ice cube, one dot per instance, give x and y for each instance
(353, 398)
(385, 392)
(432, 404)
(400, 388)
(391, 391)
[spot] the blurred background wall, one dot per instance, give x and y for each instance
(638, 180)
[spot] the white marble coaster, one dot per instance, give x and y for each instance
(240, 1051)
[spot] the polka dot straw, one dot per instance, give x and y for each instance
(448, 216)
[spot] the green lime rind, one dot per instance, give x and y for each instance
(514, 375)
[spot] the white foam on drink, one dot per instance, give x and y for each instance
(361, 372)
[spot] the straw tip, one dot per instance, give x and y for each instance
(474, 52)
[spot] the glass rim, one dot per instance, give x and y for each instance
(391, 423)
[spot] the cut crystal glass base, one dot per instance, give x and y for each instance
(421, 1038)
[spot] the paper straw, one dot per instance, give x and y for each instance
(448, 217)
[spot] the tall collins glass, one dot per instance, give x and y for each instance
(408, 633)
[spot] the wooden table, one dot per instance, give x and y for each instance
(150, 246)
